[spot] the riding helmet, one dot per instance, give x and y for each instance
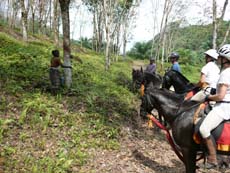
(224, 51)
(212, 53)
(174, 55)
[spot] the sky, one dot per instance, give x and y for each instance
(143, 30)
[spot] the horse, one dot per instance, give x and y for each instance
(179, 82)
(171, 78)
(179, 114)
(137, 78)
(142, 78)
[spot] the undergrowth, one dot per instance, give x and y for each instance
(41, 132)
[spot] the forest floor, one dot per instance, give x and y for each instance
(143, 150)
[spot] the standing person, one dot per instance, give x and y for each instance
(55, 63)
(151, 68)
(174, 57)
(221, 110)
(209, 76)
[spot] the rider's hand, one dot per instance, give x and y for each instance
(206, 98)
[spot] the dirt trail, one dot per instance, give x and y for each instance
(142, 150)
(137, 64)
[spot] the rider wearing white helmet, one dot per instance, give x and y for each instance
(209, 76)
(221, 110)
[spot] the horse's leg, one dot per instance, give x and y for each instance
(189, 155)
(162, 121)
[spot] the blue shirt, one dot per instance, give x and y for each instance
(176, 67)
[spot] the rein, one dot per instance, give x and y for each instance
(168, 136)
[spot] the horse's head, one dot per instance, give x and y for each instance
(167, 82)
(164, 101)
(137, 77)
(180, 83)
(153, 80)
(146, 105)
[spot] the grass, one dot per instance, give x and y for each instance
(45, 133)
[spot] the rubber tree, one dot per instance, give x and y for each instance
(64, 5)
(24, 12)
(216, 21)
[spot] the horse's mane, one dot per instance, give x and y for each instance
(166, 93)
(177, 99)
(174, 72)
(150, 76)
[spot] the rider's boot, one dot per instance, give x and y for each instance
(211, 159)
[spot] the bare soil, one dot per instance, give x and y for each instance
(143, 150)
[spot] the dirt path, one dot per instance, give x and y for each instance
(137, 64)
(142, 150)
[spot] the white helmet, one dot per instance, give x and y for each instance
(225, 51)
(212, 53)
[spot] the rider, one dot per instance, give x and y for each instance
(221, 110)
(174, 56)
(209, 76)
(151, 68)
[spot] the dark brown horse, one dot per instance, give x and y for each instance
(179, 82)
(142, 78)
(173, 78)
(179, 114)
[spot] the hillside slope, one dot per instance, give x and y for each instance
(45, 133)
(92, 128)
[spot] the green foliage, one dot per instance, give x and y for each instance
(189, 57)
(85, 42)
(141, 50)
(49, 133)
(190, 41)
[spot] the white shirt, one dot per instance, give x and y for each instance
(225, 79)
(211, 72)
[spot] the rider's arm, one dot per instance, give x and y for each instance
(219, 96)
(201, 82)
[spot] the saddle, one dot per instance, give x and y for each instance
(221, 135)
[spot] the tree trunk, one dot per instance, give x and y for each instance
(214, 23)
(226, 35)
(24, 20)
(55, 22)
(107, 50)
(64, 4)
(124, 41)
(40, 18)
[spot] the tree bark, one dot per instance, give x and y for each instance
(55, 22)
(24, 13)
(214, 23)
(64, 4)
(226, 35)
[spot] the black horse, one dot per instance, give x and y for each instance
(171, 78)
(179, 82)
(142, 78)
(179, 114)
